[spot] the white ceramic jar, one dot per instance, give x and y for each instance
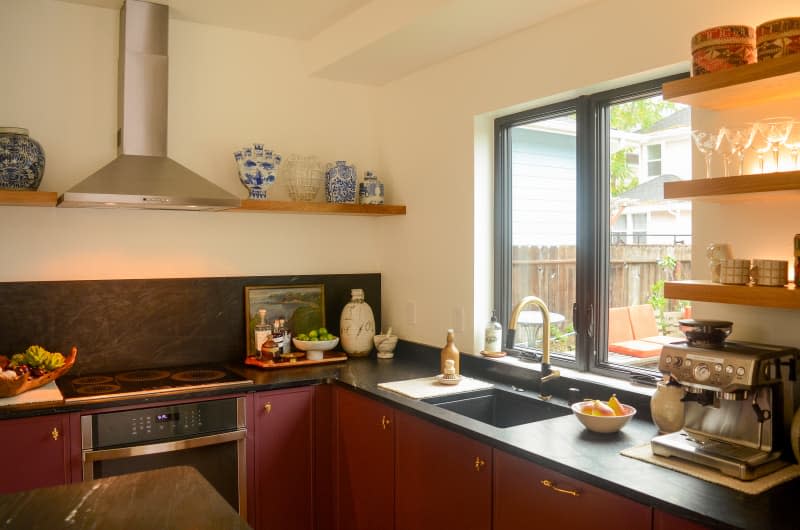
(666, 407)
(357, 325)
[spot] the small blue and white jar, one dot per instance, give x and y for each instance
(340, 183)
(21, 160)
(370, 191)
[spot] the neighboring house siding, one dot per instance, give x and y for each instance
(543, 168)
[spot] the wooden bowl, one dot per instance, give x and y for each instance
(23, 383)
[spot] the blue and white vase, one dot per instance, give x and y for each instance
(340, 183)
(21, 160)
(370, 191)
(258, 169)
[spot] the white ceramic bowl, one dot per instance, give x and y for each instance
(315, 348)
(603, 423)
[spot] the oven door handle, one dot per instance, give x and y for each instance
(92, 455)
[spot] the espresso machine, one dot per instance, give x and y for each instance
(739, 401)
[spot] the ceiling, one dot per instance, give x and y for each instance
(370, 41)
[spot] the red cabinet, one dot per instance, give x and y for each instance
(444, 479)
(364, 463)
(35, 452)
(665, 521)
(525, 492)
(283, 459)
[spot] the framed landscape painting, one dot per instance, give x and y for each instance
(301, 306)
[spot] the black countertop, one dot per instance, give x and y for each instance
(173, 498)
(561, 444)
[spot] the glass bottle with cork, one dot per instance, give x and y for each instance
(262, 333)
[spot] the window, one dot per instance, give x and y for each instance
(577, 227)
(653, 160)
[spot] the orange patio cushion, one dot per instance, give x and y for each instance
(643, 321)
(619, 325)
(636, 348)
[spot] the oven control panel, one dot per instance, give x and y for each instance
(163, 423)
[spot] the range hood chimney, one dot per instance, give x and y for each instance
(142, 176)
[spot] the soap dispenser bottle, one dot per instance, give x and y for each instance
(450, 352)
(493, 337)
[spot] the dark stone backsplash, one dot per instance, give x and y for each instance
(132, 324)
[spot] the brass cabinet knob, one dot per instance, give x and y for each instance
(552, 485)
(479, 463)
(54, 434)
(268, 407)
(385, 422)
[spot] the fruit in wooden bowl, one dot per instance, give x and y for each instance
(602, 416)
(34, 368)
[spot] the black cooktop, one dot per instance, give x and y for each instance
(80, 388)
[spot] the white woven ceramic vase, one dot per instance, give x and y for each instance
(357, 325)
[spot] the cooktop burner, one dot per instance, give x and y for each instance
(94, 387)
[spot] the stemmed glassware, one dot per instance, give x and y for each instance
(775, 131)
(792, 142)
(760, 144)
(706, 142)
(725, 148)
(739, 139)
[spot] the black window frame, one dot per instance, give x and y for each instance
(593, 209)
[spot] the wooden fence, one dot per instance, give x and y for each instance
(549, 273)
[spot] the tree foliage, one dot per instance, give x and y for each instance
(633, 116)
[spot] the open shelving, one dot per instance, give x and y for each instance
(740, 187)
(28, 198)
(249, 205)
(750, 84)
(704, 291)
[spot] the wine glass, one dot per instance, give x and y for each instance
(775, 130)
(792, 142)
(739, 139)
(759, 144)
(725, 148)
(706, 143)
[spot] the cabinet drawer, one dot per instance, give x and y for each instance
(524, 491)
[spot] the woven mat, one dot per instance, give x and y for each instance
(752, 487)
(426, 387)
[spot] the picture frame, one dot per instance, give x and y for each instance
(301, 306)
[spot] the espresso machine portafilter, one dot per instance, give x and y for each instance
(739, 401)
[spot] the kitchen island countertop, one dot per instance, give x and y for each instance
(174, 498)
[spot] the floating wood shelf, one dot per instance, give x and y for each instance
(734, 188)
(705, 291)
(28, 198)
(249, 205)
(750, 84)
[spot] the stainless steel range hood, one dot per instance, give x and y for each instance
(142, 176)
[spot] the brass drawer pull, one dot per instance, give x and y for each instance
(479, 463)
(552, 486)
(385, 422)
(54, 434)
(268, 406)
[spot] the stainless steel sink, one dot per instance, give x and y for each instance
(499, 408)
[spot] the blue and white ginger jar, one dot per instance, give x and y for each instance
(340, 183)
(258, 169)
(370, 191)
(21, 160)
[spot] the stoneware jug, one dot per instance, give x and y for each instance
(666, 407)
(357, 325)
(21, 160)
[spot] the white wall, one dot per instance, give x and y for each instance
(227, 89)
(428, 135)
(432, 121)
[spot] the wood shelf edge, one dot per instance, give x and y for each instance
(761, 81)
(249, 205)
(705, 291)
(719, 187)
(28, 198)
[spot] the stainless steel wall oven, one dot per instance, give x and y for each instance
(207, 435)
